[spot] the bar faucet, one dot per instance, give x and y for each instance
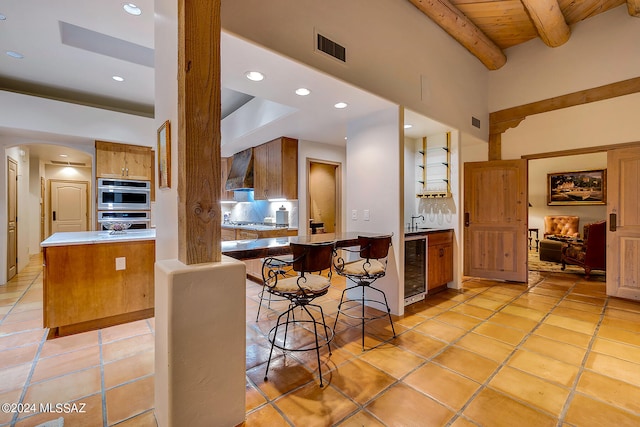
(413, 227)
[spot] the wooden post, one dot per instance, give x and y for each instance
(495, 146)
(199, 136)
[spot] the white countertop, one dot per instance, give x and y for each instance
(93, 237)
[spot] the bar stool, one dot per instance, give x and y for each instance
(371, 266)
(277, 266)
(300, 280)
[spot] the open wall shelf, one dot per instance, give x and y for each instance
(433, 165)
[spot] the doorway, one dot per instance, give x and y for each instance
(323, 204)
(12, 218)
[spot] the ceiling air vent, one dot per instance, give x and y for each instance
(332, 48)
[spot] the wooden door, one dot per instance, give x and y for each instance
(495, 209)
(623, 237)
(110, 160)
(68, 206)
(323, 202)
(139, 163)
(12, 218)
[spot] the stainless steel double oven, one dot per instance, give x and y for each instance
(124, 201)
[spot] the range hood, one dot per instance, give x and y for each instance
(241, 173)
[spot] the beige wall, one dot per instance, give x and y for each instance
(393, 50)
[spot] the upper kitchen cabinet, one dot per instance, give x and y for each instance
(275, 171)
(123, 161)
(225, 167)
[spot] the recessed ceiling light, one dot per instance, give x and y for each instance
(2, 17)
(408, 126)
(303, 91)
(16, 55)
(63, 155)
(118, 78)
(255, 76)
(341, 105)
(132, 9)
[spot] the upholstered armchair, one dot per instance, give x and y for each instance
(591, 254)
(561, 226)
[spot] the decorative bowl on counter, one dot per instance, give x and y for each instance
(117, 227)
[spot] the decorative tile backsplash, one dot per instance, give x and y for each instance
(250, 210)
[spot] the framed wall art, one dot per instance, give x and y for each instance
(577, 188)
(164, 155)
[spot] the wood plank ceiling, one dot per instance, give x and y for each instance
(487, 27)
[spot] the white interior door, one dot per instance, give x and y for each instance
(12, 218)
(623, 237)
(68, 206)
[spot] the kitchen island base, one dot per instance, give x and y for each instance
(96, 285)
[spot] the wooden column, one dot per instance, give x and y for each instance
(199, 131)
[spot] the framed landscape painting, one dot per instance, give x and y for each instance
(577, 188)
(164, 155)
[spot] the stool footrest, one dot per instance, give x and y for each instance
(357, 304)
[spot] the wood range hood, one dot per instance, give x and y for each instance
(241, 172)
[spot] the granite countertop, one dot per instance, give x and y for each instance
(260, 248)
(93, 237)
(423, 231)
(257, 227)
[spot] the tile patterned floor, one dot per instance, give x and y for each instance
(558, 352)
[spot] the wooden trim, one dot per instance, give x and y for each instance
(500, 121)
(454, 22)
(93, 325)
(548, 20)
(633, 7)
(199, 115)
(495, 146)
(577, 151)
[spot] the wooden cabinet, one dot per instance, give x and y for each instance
(85, 288)
(227, 234)
(123, 161)
(440, 259)
(275, 173)
(225, 166)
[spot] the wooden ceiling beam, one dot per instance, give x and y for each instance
(549, 21)
(633, 6)
(454, 22)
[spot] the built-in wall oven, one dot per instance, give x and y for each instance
(138, 220)
(123, 195)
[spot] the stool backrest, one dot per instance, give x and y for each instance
(374, 247)
(312, 257)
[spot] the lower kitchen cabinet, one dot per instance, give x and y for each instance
(428, 263)
(440, 259)
(92, 286)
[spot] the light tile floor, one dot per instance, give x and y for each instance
(557, 352)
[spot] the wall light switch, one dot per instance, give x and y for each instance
(354, 214)
(365, 214)
(121, 263)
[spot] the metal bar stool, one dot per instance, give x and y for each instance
(363, 272)
(277, 266)
(300, 280)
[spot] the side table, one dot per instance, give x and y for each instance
(537, 239)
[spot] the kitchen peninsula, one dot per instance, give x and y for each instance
(94, 279)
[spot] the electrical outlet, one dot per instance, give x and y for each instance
(354, 214)
(121, 263)
(365, 214)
